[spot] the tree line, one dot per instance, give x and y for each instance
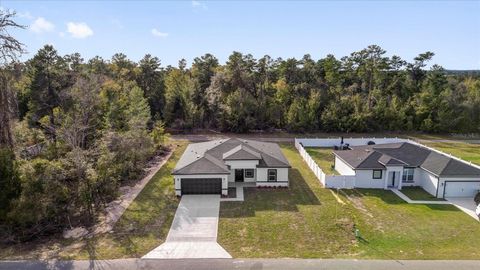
(74, 130)
(363, 92)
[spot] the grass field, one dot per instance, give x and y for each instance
(295, 222)
(306, 221)
(324, 159)
(466, 151)
(392, 228)
(418, 193)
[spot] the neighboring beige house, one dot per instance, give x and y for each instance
(210, 167)
(396, 165)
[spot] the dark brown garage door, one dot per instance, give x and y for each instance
(201, 186)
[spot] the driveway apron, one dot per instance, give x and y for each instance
(193, 233)
(467, 205)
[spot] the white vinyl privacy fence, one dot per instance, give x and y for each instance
(331, 142)
(335, 181)
(348, 181)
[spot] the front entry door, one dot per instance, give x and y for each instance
(238, 175)
(393, 179)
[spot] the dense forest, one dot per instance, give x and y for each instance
(74, 130)
(366, 91)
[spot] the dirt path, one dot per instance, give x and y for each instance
(115, 209)
(356, 200)
(208, 137)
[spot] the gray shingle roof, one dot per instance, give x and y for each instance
(242, 152)
(388, 160)
(405, 154)
(208, 157)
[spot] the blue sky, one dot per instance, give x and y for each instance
(186, 29)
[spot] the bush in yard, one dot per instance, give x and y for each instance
(9, 181)
(159, 135)
(477, 198)
(41, 205)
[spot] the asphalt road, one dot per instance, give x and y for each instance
(239, 264)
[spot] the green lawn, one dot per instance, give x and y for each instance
(466, 151)
(418, 193)
(324, 159)
(393, 229)
(302, 222)
(298, 221)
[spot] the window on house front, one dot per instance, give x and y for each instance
(407, 175)
(377, 174)
(249, 173)
(272, 175)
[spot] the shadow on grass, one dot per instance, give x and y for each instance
(418, 193)
(275, 199)
(385, 195)
(389, 197)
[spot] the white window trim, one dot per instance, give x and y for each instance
(253, 173)
(373, 174)
(408, 172)
(268, 175)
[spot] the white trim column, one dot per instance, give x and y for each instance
(398, 175)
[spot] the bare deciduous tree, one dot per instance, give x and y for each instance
(10, 49)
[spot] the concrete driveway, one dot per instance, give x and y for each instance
(193, 233)
(467, 205)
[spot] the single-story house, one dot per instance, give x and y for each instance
(209, 167)
(396, 165)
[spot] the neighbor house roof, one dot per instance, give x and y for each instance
(209, 157)
(405, 154)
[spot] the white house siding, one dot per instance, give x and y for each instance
(398, 176)
(342, 168)
(364, 179)
(442, 180)
(282, 177)
(428, 182)
(242, 164)
(178, 185)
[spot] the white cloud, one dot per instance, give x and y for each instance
(157, 33)
(79, 30)
(198, 4)
(40, 25)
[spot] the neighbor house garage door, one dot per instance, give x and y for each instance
(201, 186)
(461, 189)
